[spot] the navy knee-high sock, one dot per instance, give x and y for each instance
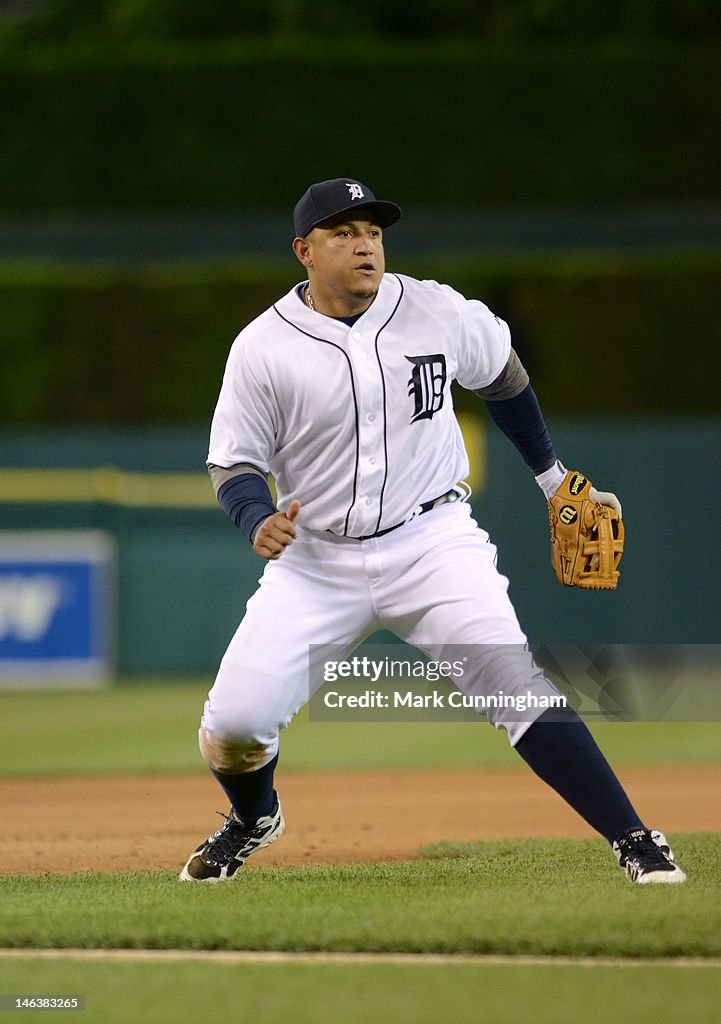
(564, 754)
(251, 793)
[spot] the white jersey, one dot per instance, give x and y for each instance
(357, 422)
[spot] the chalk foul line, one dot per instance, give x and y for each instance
(242, 956)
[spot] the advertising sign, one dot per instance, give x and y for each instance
(57, 607)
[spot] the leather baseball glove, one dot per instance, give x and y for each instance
(586, 536)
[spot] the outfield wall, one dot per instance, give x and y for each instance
(184, 573)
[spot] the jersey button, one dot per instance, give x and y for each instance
(363, 355)
(371, 418)
(372, 460)
(368, 501)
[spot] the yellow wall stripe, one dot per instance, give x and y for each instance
(108, 485)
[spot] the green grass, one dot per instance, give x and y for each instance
(169, 993)
(151, 726)
(144, 727)
(533, 897)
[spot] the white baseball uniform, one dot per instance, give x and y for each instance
(357, 423)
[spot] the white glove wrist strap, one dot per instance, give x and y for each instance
(551, 479)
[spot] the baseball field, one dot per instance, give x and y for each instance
(425, 874)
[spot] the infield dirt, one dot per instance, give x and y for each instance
(59, 826)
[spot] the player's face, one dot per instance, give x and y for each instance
(345, 263)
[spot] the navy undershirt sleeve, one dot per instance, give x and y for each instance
(521, 420)
(247, 500)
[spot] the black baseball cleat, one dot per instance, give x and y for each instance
(646, 858)
(219, 858)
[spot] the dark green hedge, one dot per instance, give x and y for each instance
(504, 19)
(241, 125)
(598, 334)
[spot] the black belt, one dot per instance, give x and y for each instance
(426, 506)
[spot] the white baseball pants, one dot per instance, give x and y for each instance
(433, 582)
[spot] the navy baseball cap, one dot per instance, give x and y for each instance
(327, 198)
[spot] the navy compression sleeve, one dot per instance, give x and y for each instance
(247, 500)
(521, 420)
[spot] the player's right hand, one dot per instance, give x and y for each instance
(276, 532)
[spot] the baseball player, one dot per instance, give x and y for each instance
(341, 391)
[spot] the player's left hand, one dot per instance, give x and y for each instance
(587, 534)
(606, 498)
(552, 479)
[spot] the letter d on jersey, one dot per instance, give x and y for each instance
(426, 385)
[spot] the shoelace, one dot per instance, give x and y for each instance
(646, 848)
(229, 839)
